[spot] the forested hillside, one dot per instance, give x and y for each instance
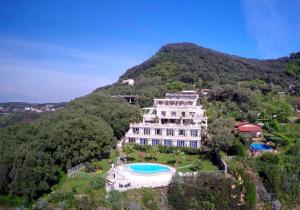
(185, 59)
(34, 155)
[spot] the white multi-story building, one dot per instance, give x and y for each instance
(176, 120)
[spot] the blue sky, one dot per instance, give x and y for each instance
(54, 50)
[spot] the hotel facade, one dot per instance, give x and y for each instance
(176, 120)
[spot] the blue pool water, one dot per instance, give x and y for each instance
(147, 168)
(259, 147)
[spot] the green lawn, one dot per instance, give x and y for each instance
(184, 164)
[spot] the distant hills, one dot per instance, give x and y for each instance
(11, 107)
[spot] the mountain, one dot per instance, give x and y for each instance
(213, 66)
(187, 66)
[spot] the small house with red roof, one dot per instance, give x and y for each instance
(204, 92)
(249, 130)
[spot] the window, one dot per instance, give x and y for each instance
(192, 114)
(163, 113)
(181, 132)
(135, 130)
(154, 112)
(173, 114)
(147, 131)
(143, 141)
(155, 142)
(158, 131)
(131, 140)
(170, 132)
(167, 142)
(194, 132)
(180, 143)
(183, 114)
(193, 144)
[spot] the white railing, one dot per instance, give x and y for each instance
(76, 169)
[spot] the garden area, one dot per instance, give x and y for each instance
(183, 159)
(87, 188)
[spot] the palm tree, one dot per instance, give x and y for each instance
(178, 154)
(152, 151)
(128, 149)
(197, 165)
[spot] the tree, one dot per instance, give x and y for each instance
(81, 139)
(152, 150)
(178, 154)
(128, 149)
(292, 69)
(197, 165)
(222, 133)
(176, 85)
(186, 77)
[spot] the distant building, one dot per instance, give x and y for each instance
(204, 92)
(128, 82)
(132, 99)
(176, 120)
(249, 130)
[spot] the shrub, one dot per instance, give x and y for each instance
(294, 150)
(148, 200)
(83, 203)
(250, 193)
(11, 200)
(116, 200)
(270, 158)
(204, 191)
(237, 149)
(41, 204)
(197, 165)
(57, 197)
(278, 140)
(169, 150)
(97, 182)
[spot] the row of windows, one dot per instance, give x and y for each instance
(174, 114)
(179, 103)
(179, 143)
(170, 132)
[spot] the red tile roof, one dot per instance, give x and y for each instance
(241, 123)
(249, 128)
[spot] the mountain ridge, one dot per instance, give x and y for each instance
(192, 58)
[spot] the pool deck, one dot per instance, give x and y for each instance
(121, 178)
(260, 150)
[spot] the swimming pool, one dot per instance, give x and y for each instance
(260, 147)
(138, 175)
(147, 168)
